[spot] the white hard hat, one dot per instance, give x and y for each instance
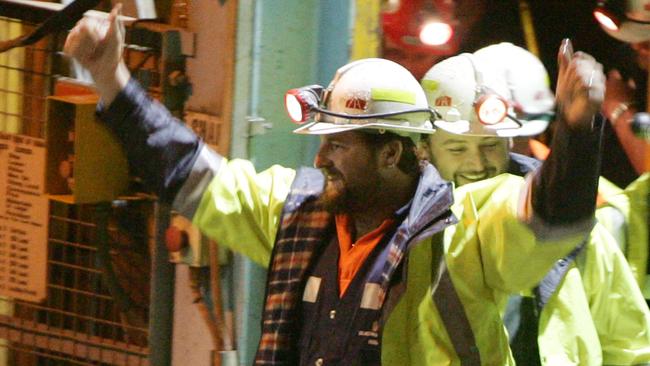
(625, 20)
(501, 90)
(527, 81)
(371, 93)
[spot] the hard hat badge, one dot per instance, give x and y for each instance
(443, 101)
(358, 101)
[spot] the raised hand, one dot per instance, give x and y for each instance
(618, 92)
(98, 45)
(580, 87)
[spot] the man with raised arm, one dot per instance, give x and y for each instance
(370, 260)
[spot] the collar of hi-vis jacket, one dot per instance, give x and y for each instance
(429, 213)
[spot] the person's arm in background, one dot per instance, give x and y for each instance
(564, 190)
(172, 161)
(619, 108)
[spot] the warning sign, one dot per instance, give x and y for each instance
(207, 126)
(23, 218)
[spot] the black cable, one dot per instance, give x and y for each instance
(62, 20)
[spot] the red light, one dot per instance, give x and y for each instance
(606, 20)
(435, 33)
(404, 23)
(300, 102)
(296, 108)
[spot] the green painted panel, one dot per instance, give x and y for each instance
(285, 56)
(291, 43)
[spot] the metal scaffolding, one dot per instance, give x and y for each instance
(107, 278)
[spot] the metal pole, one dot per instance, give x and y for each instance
(161, 310)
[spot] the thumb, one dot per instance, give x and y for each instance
(116, 26)
(564, 55)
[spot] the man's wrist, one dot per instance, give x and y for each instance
(576, 126)
(109, 88)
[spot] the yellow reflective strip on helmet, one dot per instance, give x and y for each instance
(392, 95)
(430, 85)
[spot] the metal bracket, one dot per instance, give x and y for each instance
(257, 125)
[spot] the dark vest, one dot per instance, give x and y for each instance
(339, 330)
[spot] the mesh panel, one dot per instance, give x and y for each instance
(97, 306)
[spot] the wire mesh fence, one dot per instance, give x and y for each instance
(26, 77)
(96, 311)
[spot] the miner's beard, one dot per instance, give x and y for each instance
(347, 196)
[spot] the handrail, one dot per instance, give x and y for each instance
(57, 21)
(38, 11)
(27, 10)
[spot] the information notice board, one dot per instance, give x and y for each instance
(23, 218)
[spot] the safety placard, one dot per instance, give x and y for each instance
(207, 126)
(23, 218)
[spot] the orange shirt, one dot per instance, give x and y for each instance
(353, 255)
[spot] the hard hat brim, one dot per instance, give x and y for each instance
(630, 32)
(326, 128)
(529, 128)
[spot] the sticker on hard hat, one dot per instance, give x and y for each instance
(356, 103)
(392, 95)
(443, 101)
(430, 85)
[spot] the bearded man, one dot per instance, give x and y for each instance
(370, 228)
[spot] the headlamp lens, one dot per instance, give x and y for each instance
(295, 109)
(301, 102)
(491, 109)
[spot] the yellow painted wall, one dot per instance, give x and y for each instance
(11, 81)
(366, 36)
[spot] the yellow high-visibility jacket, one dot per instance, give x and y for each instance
(597, 316)
(625, 215)
(498, 246)
(488, 254)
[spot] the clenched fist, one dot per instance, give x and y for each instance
(97, 45)
(580, 87)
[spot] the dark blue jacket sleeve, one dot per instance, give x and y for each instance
(564, 191)
(160, 149)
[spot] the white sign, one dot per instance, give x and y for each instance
(23, 218)
(207, 126)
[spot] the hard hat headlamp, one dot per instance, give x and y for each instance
(302, 103)
(490, 107)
